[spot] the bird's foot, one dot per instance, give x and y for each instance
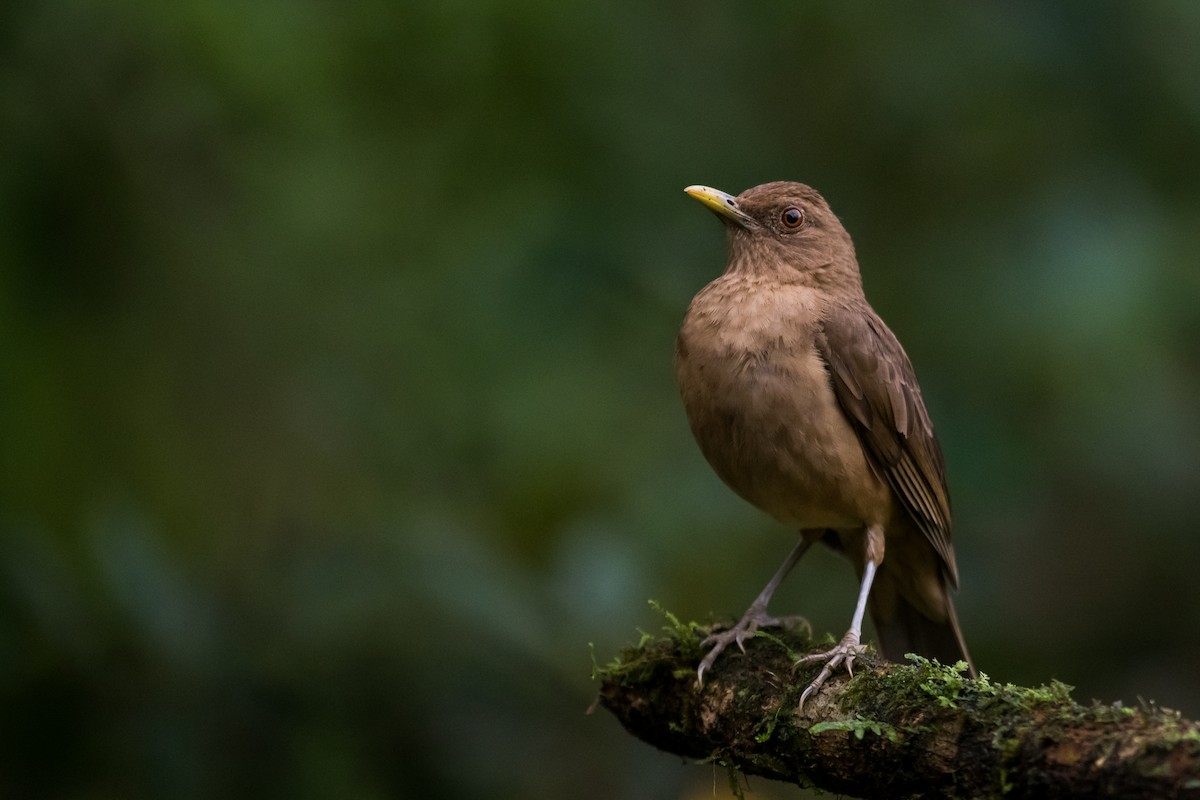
(843, 654)
(755, 617)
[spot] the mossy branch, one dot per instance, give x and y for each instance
(894, 730)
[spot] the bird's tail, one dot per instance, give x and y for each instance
(907, 630)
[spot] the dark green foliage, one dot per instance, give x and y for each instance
(337, 416)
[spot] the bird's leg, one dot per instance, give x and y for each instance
(850, 646)
(755, 617)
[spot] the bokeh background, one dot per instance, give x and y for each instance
(337, 414)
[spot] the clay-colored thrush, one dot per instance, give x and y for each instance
(806, 405)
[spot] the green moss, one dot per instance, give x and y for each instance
(766, 727)
(735, 781)
(1006, 785)
(859, 727)
(791, 653)
(683, 634)
(1176, 730)
(923, 681)
(910, 691)
(681, 643)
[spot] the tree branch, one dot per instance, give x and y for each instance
(894, 730)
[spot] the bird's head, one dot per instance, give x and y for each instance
(785, 229)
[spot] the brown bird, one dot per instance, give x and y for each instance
(806, 405)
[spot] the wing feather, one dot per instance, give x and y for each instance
(877, 389)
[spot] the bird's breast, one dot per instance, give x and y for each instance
(761, 406)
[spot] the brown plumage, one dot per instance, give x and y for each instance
(806, 405)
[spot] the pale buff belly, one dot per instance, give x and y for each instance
(768, 423)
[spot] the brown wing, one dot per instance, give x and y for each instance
(877, 389)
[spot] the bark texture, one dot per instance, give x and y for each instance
(895, 730)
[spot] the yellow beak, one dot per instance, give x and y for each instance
(723, 204)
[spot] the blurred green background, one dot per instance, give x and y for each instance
(337, 413)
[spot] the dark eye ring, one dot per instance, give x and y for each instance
(793, 217)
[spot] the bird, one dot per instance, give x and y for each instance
(805, 404)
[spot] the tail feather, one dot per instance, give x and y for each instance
(907, 630)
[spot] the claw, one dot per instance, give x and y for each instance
(756, 615)
(843, 654)
(746, 628)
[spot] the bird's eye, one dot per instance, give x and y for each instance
(793, 217)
